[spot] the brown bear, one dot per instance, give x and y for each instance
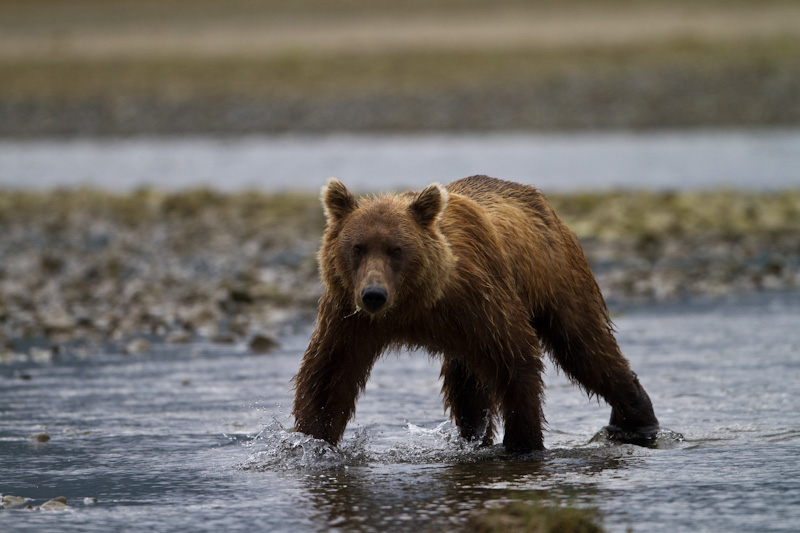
(480, 272)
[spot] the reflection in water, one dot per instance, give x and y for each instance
(409, 487)
(434, 497)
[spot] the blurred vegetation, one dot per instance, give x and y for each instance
(297, 73)
(125, 66)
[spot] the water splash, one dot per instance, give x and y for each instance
(441, 444)
(665, 439)
(275, 447)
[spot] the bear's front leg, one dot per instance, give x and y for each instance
(333, 373)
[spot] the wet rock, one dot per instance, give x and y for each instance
(10, 356)
(137, 346)
(39, 438)
(12, 502)
(269, 292)
(40, 355)
(262, 344)
(55, 504)
(58, 320)
(51, 264)
(179, 337)
(198, 315)
(241, 295)
(240, 325)
(223, 338)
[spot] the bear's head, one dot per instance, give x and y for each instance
(386, 250)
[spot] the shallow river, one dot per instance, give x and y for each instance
(694, 159)
(192, 437)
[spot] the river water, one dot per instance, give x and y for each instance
(193, 437)
(743, 159)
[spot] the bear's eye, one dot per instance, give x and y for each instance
(396, 252)
(358, 250)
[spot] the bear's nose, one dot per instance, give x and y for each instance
(374, 297)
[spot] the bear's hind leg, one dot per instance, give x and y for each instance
(634, 421)
(522, 407)
(583, 345)
(470, 404)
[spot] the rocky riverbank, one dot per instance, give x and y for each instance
(81, 269)
(84, 268)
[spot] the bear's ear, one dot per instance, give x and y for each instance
(337, 201)
(429, 204)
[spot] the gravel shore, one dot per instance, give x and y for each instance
(82, 269)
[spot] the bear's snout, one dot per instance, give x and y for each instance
(374, 298)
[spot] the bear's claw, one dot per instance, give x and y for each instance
(635, 422)
(644, 436)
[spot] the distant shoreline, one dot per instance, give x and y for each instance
(650, 99)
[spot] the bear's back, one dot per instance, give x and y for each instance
(487, 192)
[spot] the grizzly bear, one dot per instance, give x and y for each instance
(480, 272)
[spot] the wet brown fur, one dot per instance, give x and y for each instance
(482, 273)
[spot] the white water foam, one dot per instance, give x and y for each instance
(275, 447)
